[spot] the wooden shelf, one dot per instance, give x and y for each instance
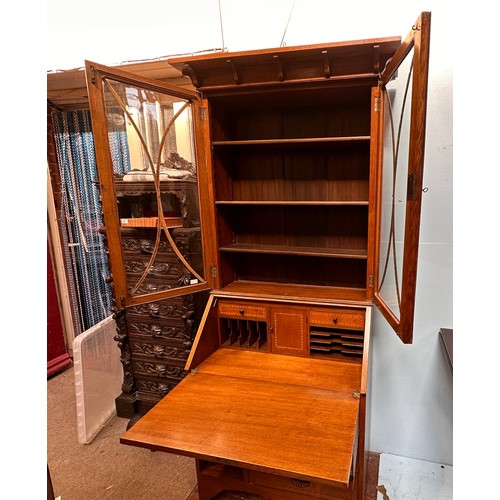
(296, 250)
(135, 188)
(290, 292)
(151, 222)
(294, 203)
(293, 142)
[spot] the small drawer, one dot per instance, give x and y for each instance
(161, 372)
(338, 318)
(160, 352)
(153, 386)
(242, 310)
(176, 332)
(316, 490)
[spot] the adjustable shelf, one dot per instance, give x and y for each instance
(294, 142)
(344, 253)
(294, 203)
(301, 293)
(319, 176)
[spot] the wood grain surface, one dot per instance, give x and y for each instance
(260, 411)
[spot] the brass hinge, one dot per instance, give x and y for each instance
(203, 114)
(213, 270)
(370, 281)
(376, 105)
(356, 394)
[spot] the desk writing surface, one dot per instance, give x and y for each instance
(274, 426)
(309, 372)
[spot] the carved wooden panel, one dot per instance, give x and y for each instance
(159, 351)
(157, 387)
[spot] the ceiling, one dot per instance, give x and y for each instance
(67, 89)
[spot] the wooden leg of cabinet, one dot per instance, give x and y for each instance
(126, 405)
(131, 405)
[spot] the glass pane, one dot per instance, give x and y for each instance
(397, 114)
(152, 147)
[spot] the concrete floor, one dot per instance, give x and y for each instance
(402, 478)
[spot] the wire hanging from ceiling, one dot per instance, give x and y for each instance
(282, 44)
(221, 29)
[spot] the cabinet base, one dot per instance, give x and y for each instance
(126, 405)
(372, 471)
(223, 482)
(131, 405)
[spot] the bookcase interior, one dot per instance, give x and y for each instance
(291, 183)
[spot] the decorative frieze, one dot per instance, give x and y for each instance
(160, 351)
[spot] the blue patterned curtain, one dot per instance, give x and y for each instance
(81, 218)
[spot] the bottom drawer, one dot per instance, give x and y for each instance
(316, 490)
(156, 387)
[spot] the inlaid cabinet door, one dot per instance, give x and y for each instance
(289, 331)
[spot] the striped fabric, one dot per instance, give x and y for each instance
(86, 259)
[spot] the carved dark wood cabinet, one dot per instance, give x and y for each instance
(155, 338)
(269, 210)
(156, 324)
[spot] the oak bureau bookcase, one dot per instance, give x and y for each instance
(285, 190)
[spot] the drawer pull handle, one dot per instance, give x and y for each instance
(299, 483)
(335, 321)
(242, 311)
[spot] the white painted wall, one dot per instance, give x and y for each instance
(411, 387)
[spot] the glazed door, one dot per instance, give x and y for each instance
(149, 138)
(402, 110)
